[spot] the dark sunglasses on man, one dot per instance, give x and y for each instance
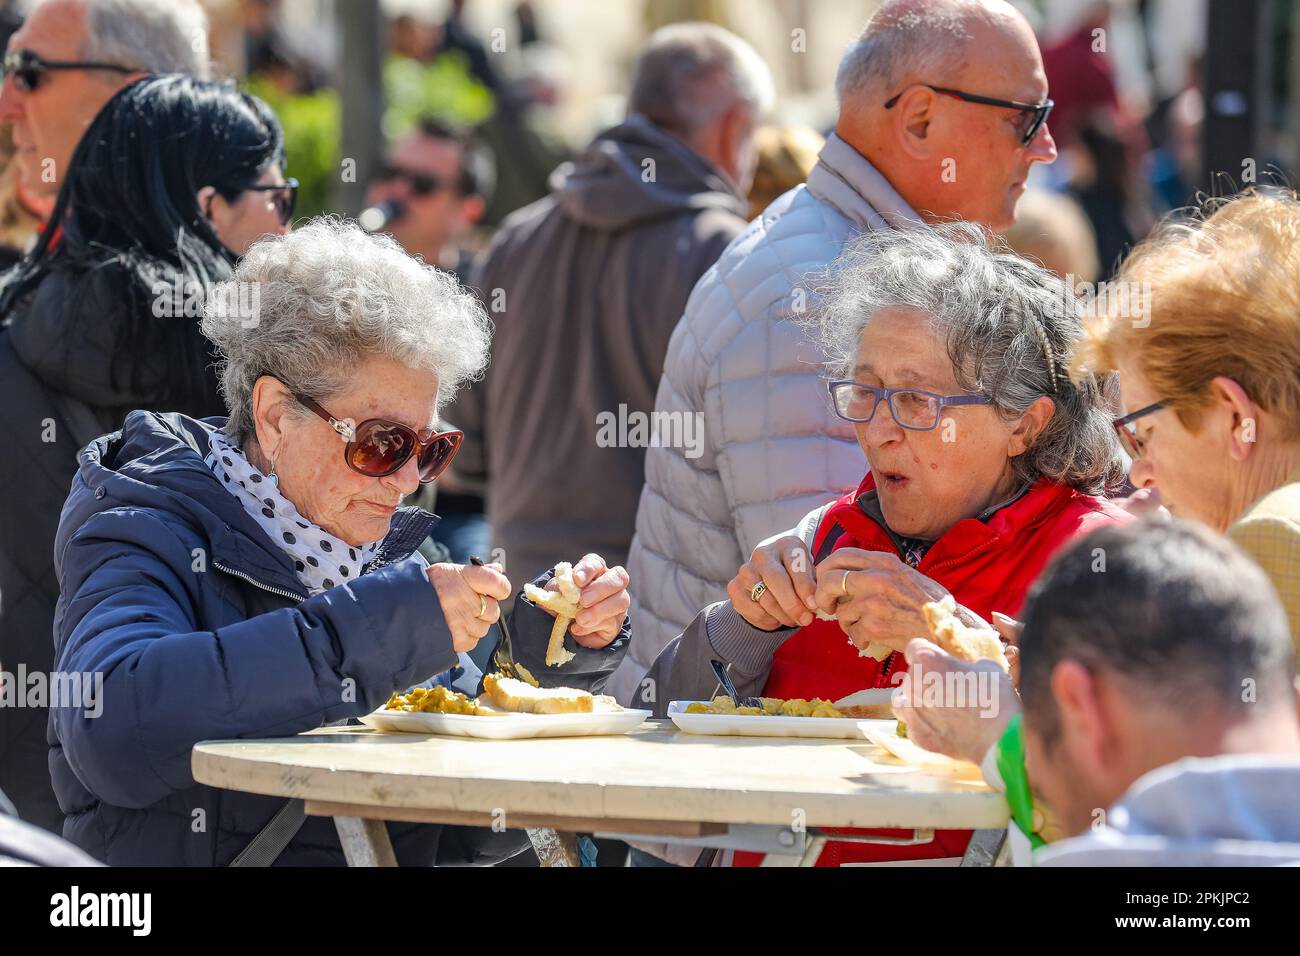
(377, 447)
(1034, 115)
(422, 184)
(284, 195)
(28, 68)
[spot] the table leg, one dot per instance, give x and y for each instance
(813, 845)
(987, 848)
(812, 850)
(554, 847)
(365, 842)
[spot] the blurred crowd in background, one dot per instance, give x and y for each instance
(527, 81)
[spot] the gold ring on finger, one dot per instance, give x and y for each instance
(844, 584)
(757, 591)
(482, 606)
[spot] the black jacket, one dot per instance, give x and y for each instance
(63, 382)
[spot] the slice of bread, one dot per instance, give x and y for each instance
(960, 639)
(507, 693)
(565, 604)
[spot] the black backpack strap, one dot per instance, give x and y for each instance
(833, 535)
(77, 417)
(271, 840)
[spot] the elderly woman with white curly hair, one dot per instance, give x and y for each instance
(255, 576)
(947, 354)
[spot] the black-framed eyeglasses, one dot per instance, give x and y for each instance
(422, 184)
(377, 447)
(1126, 428)
(27, 68)
(284, 195)
(1035, 114)
(912, 408)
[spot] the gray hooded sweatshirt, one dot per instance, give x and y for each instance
(585, 287)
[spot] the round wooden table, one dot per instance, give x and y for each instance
(773, 794)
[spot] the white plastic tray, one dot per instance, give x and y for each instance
(746, 725)
(508, 727)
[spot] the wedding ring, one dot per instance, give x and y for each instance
(844, 584)
(482, 606)
(757, 591)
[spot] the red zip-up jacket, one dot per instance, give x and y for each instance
(987, 566)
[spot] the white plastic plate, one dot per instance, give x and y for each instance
(746, 725)
(508, 727)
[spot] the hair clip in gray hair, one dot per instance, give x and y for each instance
(1050, 355)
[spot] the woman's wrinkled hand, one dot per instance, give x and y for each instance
(784, 567)
(602, 592)
(469, 595)
(935, 700)
(875, 596)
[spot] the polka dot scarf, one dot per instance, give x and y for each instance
(321, 560)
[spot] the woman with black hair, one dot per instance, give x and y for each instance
(174, 179)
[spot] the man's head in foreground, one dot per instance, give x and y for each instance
(70, 57)
(914, 92)
(1144, 644)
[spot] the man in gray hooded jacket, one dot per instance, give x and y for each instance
(585, 287)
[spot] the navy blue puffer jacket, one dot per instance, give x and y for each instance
(201, 630)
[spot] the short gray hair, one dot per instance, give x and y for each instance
(689, 74)
(906, 40)
(1009, 327)
(327, 297)
(155, 36)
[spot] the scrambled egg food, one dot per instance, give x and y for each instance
(772, 707)
(433, 700)
(502, 695)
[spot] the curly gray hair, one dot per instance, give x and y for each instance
(1009, 328)
(308, 307)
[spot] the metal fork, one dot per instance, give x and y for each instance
(720, 669)
(504, 654)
